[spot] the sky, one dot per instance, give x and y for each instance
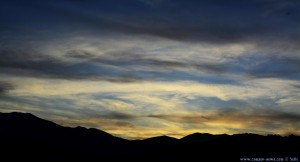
(144, 68)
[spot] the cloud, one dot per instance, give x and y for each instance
(127, 59)
(79, 54)
(5, 87)
(34, 64)
(120, 116)
(267, 88)
(159, 108)
(216, 22)
(112, 115)
(249, 120)
(233, 21)
(113, 67)
(270, 66)
(117, 58)
(154, 3)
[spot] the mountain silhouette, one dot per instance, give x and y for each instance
(24, 136)
(201, 137)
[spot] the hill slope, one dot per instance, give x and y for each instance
(27, 137)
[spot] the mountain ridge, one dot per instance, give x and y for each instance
(19, 116)
(24, 133)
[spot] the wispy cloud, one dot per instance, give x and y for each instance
(5, 87)
(38, 65)
(265, 118)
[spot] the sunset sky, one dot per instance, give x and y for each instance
(143, 68)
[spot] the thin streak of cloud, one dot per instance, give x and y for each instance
(44, 66)
(5, 87)
(268, 122)
(248, 118)
(131, 59)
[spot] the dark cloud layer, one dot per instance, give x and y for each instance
(32, 64)
(114, 115)
(212, 21)
(5, 87)
(209, 21)
(109, 67)
(249, 118)
(131, 59)
(266, 23)
(124, 67)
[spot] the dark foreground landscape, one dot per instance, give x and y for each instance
(27, 137)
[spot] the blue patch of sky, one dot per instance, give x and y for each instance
(185, 76)
(286, 68)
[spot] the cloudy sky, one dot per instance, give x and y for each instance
(143, 68)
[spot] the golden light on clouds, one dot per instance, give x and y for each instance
(149, 108)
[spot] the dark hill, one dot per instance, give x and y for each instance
(201, 137)
(27, 137)
(160, 140)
